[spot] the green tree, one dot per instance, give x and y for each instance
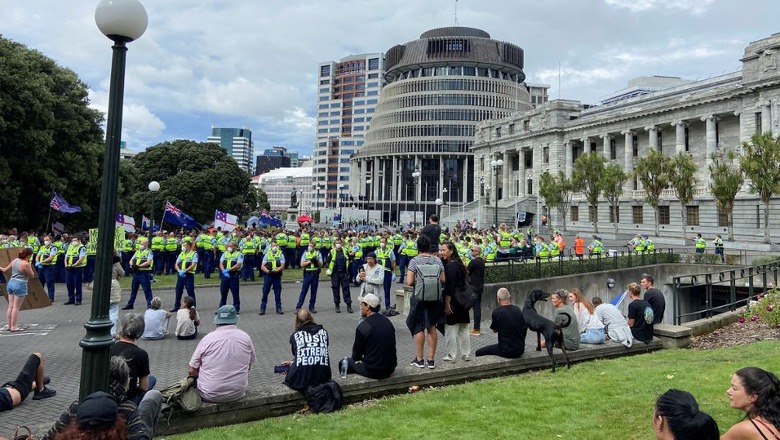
(49, 140)
(682, 178)
(612, 180)
(760, 161)
(653, 171)
(725, 182)
(557, 192)
(197, 177)
(588, 169)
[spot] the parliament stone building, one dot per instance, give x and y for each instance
(701, 118)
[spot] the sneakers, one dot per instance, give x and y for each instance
(78, 303)
(262, 312)
(312, 310)
(349, 308)
(279, 312)
(43, 394)
(338, 309)
(474, 332)
(448, 358)
(419, 363)
(69, 303)
(431, 364)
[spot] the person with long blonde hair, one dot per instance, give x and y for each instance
(590, 326)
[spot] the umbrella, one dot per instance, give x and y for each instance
(304, 219)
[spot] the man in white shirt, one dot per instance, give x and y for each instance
(615, 323)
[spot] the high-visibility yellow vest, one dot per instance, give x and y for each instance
(72, 256)
(142, 256)
(158, 243)
(275, 258)
(305, 239)
(171, 244)
(185, 261)
(312, 256)
(383, 258)
(231, 258)
(248, 246)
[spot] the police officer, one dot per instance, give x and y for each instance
(185, 265)
(230, 271)
(303, 243)
(158, 249)
(46, 261)
(75, 261)
(718, 242)
(355, 260)
(701, 244)
(142, 263)
(596, 247)
(273, 265)
(208, 243)
(248, 248)
(171, 251)
(311, 262)
(339, 275)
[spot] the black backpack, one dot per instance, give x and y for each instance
(325, 397)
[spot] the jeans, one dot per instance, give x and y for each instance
(149, 411)
(113, 315)
(142, 278)
(138, 397)
(311, 280)
(477, 307)
(592, 336)
(185, 282)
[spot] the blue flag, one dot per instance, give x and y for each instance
(59, 204)
(176, 216)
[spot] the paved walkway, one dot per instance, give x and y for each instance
(56, 331)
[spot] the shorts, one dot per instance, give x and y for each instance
(17, 288)
(6, 401)
(23, 382)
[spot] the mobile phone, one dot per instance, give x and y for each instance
(281, 369)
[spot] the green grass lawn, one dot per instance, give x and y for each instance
(169, 281)
(603, 399)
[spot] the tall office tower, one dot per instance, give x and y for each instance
(439, 87)
(238, 144)
(348, 93)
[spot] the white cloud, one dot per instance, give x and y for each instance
(693, 6)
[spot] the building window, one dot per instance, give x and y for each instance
(687, 144)
(511, 128)
(635, 145)
(613, 149)
(692, 215)
(664, 217)
(526, 125)
(636, 215)
(575, 213)
(324, 70)
(324, 82)
(373, 64)
(758, 122)
(660, 140)
(546, 155)
(593, 214)
(498, 132)
(614, 214)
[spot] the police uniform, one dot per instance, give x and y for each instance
(339, 277)
(142, 262)
(185, 265)
(75, 261)
(273, 261)
(311, 262)
(230, 264)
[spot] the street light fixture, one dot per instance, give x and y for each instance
(439, 202)
(368, 194)
(415, 174)
(341, 201)
(444, 193)
(496, 164)
(122, 21)
(154, 186)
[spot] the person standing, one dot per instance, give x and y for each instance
(21, 272)
(209, 244)
(311, 360)
(654, 297)
(425, 315)
(476, 277)
(718, 242)
(700, 243)
(230, 264)
(171, 253)
(248, 248)
(640, 315)
(141, 261)
(433, 231)
(273, 265)
(386, 258)
(456, 329)
(508, 322)
(75, 261)
(46, 262)
(185, 266)
(222, 360)
(596, 247)
(339, 275)
(579, 246)
(117, 272)
(311, 262)
(158, 252)
(374, 350)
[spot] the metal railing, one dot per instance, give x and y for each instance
(750, 280)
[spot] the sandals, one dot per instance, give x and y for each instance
(20, 329)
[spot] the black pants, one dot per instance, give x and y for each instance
(360, 368)
(495, 350)
(24, 380)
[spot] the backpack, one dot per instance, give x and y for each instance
(649, 317)
(183, 394)
(325, 397)
(426, 280)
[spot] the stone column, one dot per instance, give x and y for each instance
(744, 136)
(709, 140)
(521, 171)
(505, 180)
(537, 161)
(567, 145)
(679, 134)
(585, 145)
(628, 158)
(607, 138)
(766, 116)
(652, 137)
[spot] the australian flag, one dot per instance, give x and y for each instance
(59, 204)
(176, 216)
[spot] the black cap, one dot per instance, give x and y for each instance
(97, 411)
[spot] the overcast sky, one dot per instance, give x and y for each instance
(239, 63)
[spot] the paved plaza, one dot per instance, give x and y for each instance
(56, 331)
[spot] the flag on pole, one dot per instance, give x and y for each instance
(127, 222)
(266, 219)
(176, 216)
(145, 223)
(619, 299)
(59, 204)
(224, 220)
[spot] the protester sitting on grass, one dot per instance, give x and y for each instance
(590, 326)
(130, 330)
(676, 416)
(311, 361)
(156, 320)
(757, 393)
(187, 320)
(13, 393)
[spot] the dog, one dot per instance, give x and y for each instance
(553, 335)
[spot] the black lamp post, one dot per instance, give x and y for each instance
(154, 186)
(415, 174)
(368, 195)
(341, 201)
(496, 164)
(122, 21)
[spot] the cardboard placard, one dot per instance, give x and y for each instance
(36, 297)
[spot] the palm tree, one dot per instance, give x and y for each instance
(725, 182)
(612, 181)
(586, 176)
(760, 161)
(682, 177)
(653, 171)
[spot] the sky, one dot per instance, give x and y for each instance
(253, 64)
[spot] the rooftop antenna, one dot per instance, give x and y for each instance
(559, 80)
(456, 13)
